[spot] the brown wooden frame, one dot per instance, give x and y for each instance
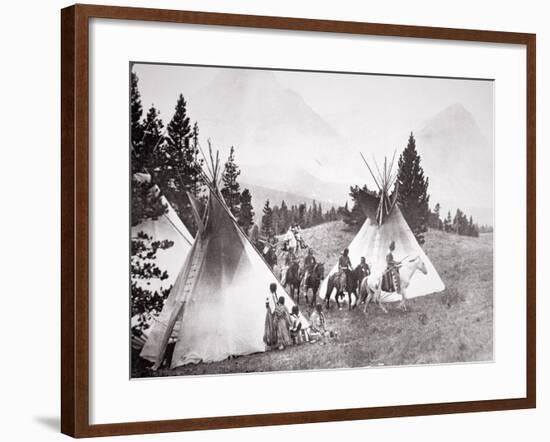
(74, 219)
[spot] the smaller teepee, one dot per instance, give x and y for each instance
(217, 307)
(385, 223)
(169, 227)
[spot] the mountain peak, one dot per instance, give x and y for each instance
(450, 121)
(458, 159)
(457, 112)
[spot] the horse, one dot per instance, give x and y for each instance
(371, 286)
(278, 272)
(293, 280)
(290, 244)
(349, 285)
(270, 255)
(338, 281)
(313, 281)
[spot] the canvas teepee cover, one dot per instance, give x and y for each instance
(169, 227)
(217, 303)
(385, 223)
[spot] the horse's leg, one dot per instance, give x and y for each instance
(339, 294)
(363, 292)
(379, 299)
(353, 291)
(368, 296)
(403, 303)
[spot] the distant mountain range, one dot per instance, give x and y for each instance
(260, 194)
(288, 151)
(458, 159)
(270, 126)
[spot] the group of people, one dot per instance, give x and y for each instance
(293, 240)
(284, 328)
(390, 277)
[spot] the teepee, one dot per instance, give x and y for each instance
(169, 227)
(217, 307)
(385, 223)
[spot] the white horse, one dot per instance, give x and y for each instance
(291, 241)
(371, 286)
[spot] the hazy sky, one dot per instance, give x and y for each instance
(319, 122)
(343, 100)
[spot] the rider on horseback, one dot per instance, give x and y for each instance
(309, 263)
(360, 273)
(344, 263)
(297, 232)
(362, 270)
(391, 275)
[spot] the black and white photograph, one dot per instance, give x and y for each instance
(289, 220)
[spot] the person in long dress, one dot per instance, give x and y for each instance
(270, 302)
(281, 324)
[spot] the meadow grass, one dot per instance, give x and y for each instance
(449, 327)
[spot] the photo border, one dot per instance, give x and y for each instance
(75, 218)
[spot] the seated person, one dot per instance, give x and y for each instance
(297, 331)
(318, 324)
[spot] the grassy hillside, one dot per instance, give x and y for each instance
(328, 240)
(453, 326)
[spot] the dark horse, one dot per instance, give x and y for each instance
(293, 279)
(270, 255)
(344, 283)
(313, 281)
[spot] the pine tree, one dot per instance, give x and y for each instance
(231, 187)
(448, 222)
(276, 220)
(145, 205)
(179, 165)
(284, 217)
(136, 114)
(345, 214)
(146, 152)
(267, 220)
(460, 223)
(301, 215)
(362, 199)
(179, 128)
(437, 216)
(413, 195)
(246, 212)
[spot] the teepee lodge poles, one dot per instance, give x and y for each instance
(216, 308)
(385, 224)
(385, 179)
